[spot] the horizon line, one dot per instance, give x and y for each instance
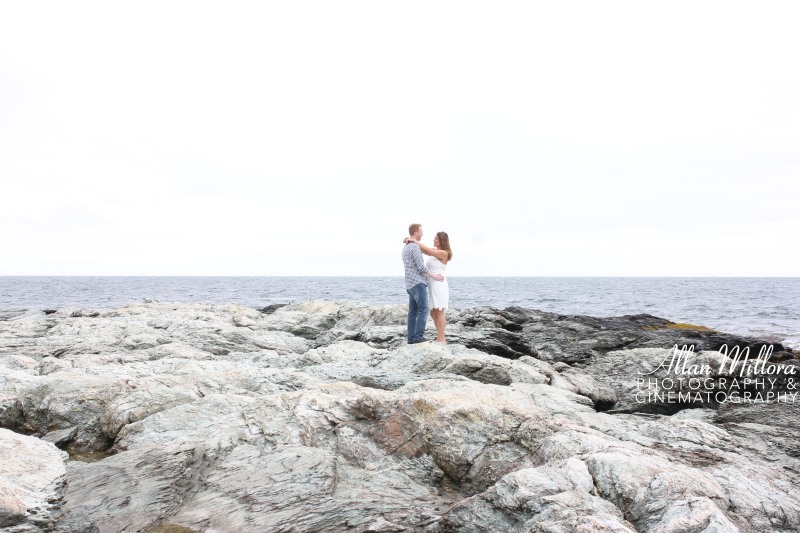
(374, 276)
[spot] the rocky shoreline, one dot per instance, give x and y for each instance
(318, 417)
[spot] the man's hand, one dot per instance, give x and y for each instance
(437, 277)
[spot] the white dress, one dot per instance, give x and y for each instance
(438, 292)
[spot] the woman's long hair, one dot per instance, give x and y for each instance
(444, 244)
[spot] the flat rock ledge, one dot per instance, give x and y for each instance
(318, 417)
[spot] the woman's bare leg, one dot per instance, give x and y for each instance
(438, 320)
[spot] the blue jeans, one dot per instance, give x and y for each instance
(417, 312)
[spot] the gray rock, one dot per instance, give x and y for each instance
(556, 497)
(61, 437)
(32, 476)
(139, 487)
(319, 417)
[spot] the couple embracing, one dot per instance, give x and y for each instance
(426, 286)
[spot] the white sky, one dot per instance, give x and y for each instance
(301, 138)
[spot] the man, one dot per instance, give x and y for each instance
(416, 286)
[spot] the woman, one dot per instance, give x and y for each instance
(438, 291)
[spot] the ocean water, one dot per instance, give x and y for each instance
(765, 307)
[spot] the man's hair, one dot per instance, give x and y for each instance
(413, 228)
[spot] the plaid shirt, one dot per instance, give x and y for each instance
(415, 265)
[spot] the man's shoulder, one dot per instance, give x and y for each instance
(410, 249)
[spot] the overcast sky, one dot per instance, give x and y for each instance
(301, 138)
